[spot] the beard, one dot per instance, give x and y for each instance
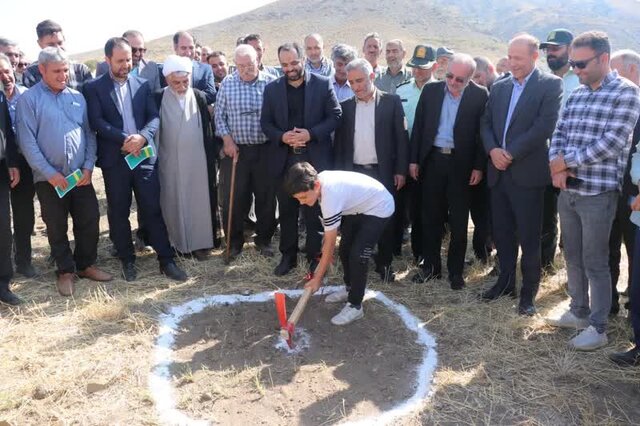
(555, 63)
(294, 75)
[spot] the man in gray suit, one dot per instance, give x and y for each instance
(142, 68)
(520, 117)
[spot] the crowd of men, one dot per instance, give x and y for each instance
(445, 134)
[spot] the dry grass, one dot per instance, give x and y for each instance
(494, 367)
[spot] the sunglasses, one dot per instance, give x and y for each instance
(582, 64)
(138, 49)
(450, 76)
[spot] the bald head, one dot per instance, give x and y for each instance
(522, 54)
(627, 63)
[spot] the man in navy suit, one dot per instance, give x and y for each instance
(299, 112)
(519, 119)
(125, 117)
(202, 76)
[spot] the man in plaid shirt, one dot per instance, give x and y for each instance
(237, 118)
(588, 157)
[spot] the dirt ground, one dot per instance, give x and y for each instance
(345, 373)
(86, 360)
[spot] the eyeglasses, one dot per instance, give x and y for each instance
(138, 49)
(582, 64)
(450, 76)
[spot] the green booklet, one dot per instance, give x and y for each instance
(134, 161)
(72, 181)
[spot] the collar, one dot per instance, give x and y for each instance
(403, 71)
(447, 92)
(373, 98)
(323, 63)
(526, 79)
(46, 87)
(613, 75)
(333, 80)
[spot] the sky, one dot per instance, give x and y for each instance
(89, 27)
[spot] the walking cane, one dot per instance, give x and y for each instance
(230, 215)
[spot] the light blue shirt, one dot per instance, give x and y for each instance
(516, 92)
(125, 105)
(450, 105)
(53, 132)
(343, 92)
(13, 102)
(410, 95)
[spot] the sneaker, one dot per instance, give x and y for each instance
(568, 320)
(347, 315)
(338, 296)
(589, 339)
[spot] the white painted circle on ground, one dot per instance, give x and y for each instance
(160, 378)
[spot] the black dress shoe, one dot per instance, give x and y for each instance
(497, 291)
(630, 358)
(286, 264)
(129, 272)
(172, 271)
(264, 249)
(386, 273)
(113, 252)
(27, 270)
(423, 275)
(6, 296)
(457, 282)
(527, 310)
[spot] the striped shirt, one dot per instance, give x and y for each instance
(594, 133)
(325, 69)
(238, 108)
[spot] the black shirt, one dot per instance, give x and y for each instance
(295, 103)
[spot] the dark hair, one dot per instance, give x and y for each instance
(598, 41)
(215, 54)
(47, 28)
(291, 47)
(120, 42)
(176, 37)
(301, 177)
(251, 37)
(132, 33)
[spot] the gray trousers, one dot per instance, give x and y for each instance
(586, 224)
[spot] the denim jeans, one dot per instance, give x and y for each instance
(585, 222)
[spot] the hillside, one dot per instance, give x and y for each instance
(477, 27)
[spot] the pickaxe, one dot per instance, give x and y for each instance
(287, 328)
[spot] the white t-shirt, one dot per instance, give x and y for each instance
(350, 193)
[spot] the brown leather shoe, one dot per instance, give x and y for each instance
(65, 284)
(95, 274)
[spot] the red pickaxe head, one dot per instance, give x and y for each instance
(286, 329)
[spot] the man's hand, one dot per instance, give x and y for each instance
(500, 158)
(314, 284)
(557, 165)
(133, 144)
(14, 176)
(59, 181)
(229, 148)
(86, 178)
(560, 179)
(476, 177)
(414, 171)
(399, 181)
(290, 138)
(302, 136)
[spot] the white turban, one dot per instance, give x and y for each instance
(175, 63)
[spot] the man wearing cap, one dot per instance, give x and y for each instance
(125, 118)
(396, 73)
(446, 151)
(423, 63)
(443, 54)
(556, 49)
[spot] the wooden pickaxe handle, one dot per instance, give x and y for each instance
(302, 303)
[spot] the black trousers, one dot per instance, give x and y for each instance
(517, 220)
(549, 238)
(120, 183)
(359, 235)
(81, 203)
(387, 239)
(634, 292)
(23, 213)
(622, 230)
(479, 207)
(251, 178)
(6, 269)
(289, 208)
(413, 195)
(445, 194)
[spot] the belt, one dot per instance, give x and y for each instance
(298, 150)
(445, 151)
(365, 166)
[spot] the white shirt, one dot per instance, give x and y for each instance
(364, 135)
(350, 193)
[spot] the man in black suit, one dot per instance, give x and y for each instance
(519, 119)
(124, 116)
(446, 151)
(299, 112)
(372, 139)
